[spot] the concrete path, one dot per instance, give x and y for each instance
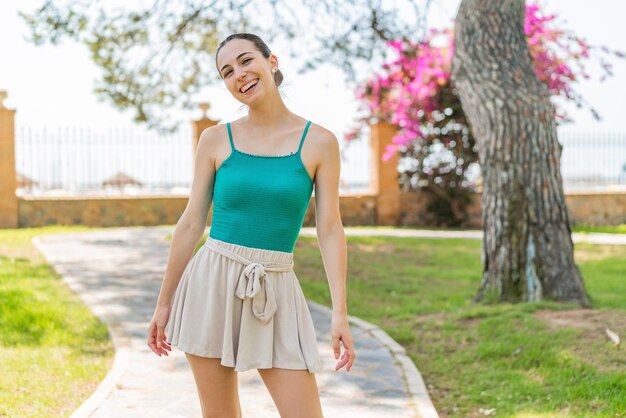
(118, 273)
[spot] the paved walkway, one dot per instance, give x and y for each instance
(118, 273)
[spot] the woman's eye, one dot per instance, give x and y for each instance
(245, 61)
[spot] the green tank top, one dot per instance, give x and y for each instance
(260, 201)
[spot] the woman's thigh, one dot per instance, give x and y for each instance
(294, 392)
(217, 387)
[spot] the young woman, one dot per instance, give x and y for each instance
(236, 304)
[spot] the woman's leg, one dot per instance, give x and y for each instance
(217, 387)
(294, 392)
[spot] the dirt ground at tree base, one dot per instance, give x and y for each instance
(591, 319)
(594, 344)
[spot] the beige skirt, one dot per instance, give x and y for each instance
(245, 306)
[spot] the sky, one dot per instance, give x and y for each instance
(52, 85)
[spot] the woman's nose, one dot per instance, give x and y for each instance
(240, 74)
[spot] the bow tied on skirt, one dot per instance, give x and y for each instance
(253, 283)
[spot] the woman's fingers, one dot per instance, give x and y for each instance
(152, 338)
(347, 358)
(336, 346)
(160, 339)
(344, 360)
(156, 340)
(349, 353)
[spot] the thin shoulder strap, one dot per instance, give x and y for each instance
(304, 135)
(230, 136)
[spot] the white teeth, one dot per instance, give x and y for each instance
(248, 84)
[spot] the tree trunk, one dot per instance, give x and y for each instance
(527, 254)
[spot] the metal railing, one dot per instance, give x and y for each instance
(593, 161)
(78, 161)
(129, 161)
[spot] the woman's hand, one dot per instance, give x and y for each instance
(340, 331)
(156, 331)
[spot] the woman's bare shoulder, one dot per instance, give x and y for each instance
(322, 135)
(323, 147)
(214, 133)
(213, 143)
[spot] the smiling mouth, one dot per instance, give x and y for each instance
(250, 87)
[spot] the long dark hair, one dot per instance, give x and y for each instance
(259, 44)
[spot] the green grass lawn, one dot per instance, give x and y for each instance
(526, 360)
(607, 229)
(55, 352)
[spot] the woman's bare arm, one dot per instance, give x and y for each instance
(192, 223)
(332, 242)
(330, 233)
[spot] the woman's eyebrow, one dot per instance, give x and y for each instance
(238, 56)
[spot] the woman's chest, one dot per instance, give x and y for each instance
(241, 177)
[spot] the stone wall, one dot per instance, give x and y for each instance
(413, 210)
(153, 210)
(584, 208)
(589, 208)
(100, 211)
(597, 208)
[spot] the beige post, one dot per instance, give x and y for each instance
(384, 177)
(201, 124)
(8, 178)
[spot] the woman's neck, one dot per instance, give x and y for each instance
(272, 112)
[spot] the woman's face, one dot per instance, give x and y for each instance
(240, 63)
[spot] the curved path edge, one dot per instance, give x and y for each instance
(413, 381)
